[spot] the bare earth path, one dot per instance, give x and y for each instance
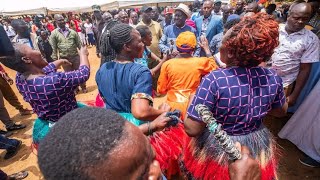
(289, 168)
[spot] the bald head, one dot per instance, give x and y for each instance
(299, 15)
(106, 16)
(134, 17)
(252, 7)
(60, 21)
(300, 8)
(123, 17)
(227, 10)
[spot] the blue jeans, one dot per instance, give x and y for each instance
(8, 144)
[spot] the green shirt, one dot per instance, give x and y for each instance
(65, 43)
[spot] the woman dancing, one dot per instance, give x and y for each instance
(126, 87)
(181, 76)
(239, 97)
(50, 93)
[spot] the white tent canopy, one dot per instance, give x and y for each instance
(21, 7)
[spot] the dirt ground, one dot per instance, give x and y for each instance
(26, 159)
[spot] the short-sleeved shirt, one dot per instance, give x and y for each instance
(239, 98)
(119, 83)
(296, 48)
(51, 96)
(145, 57)
(216, 43)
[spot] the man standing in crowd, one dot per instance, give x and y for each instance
(24, 36)
(98, 25)
(208, 25)
(106, 17)
(155, 15)
(66, 41)
(298, 49)
(154, 27)
(252, 7)
(315, 17)
(171, 32)
(167, 17)
(239, 8)
(134, 18)
(217, 8)
(226, 11)
(123, 17)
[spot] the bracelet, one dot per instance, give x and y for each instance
(149, 129)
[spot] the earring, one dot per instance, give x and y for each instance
(26, 60)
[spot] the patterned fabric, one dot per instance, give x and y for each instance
(66, 43)
(118, 82)
(51, 96)
(171, 32)
(145, 57)
(216, 43)
(295, 48)
(205, 24)
(141, 96)
(239, 98)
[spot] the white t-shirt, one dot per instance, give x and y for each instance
(294, 49)
(88, 28)
(9, 30)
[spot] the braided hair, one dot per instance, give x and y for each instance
(253, 40)
(115, 37)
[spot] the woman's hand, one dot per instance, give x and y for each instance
(83, 51)
(160, 122)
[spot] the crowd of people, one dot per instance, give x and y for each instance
(243, 63)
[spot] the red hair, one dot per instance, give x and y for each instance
(253, 40)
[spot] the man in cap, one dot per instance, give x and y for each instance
(168, 11)
(217, 8)
(208, 25)
(171, 32)
(154, 27)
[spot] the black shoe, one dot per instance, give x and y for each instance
(12, 152)
(16, 127)
(5, 133)
(308, 161)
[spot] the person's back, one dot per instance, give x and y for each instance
(119, 82)
(177, 78)
(242, 96)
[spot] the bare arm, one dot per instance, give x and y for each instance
(279, 112)
(142, 110)
(301, 80)
(157, 125)
(158, 67)
(83, 52)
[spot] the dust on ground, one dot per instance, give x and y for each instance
(26, 159)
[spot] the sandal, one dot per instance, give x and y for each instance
(18, 175)
(24, 112)
(16, 127)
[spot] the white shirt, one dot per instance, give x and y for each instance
(296, 48)
(9, 30)
(88, 28)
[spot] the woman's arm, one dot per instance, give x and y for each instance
(141, 109)
(158, 67)
(157, 125)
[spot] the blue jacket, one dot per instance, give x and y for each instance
(215, 27)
